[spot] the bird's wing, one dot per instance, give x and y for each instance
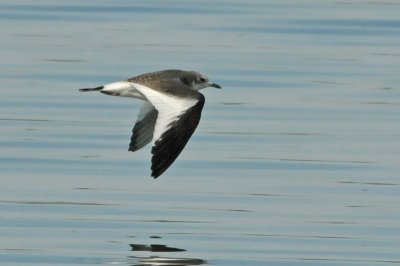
(178, 117)
(142, 132)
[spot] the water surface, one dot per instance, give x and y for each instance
(295, 161)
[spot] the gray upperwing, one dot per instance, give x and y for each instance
(142, 132)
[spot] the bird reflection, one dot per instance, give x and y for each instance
(159, 260)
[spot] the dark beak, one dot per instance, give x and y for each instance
(214, 85)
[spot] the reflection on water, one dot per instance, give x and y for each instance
(154, 248)
(295, 162)
(161, 260)
(153, 261)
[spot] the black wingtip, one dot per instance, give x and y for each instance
(153, 175)
(132, 148)
(156, 171)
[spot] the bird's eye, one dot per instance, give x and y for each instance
(202, 80)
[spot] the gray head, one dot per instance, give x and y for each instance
(197, 81)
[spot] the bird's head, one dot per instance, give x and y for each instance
(198, 81)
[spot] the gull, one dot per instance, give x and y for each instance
(169, 115)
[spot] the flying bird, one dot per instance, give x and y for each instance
(169, 115)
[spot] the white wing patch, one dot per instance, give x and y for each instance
(169, 107)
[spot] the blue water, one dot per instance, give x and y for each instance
(295, 160)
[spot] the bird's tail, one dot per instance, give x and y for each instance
(92, 89)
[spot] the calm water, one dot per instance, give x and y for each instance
(295, 161)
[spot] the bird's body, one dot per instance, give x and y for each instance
(169, 115)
